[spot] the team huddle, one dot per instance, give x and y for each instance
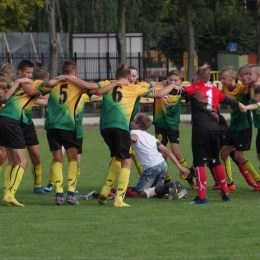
(124, 130)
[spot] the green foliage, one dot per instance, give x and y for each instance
(15, 14)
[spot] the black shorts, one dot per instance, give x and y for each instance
(118, 141)
(11, 133)
(205, 147)
(166, 134)
(257, 141)
(80, 142)
(58, 138)
(29, 135)
(240, 140)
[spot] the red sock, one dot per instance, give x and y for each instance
(221, 178)
(201, 180)
(246, 175)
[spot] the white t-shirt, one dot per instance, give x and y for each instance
(146, 149)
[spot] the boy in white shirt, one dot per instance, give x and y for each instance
(149, 152)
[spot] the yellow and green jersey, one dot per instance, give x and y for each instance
(256, 114)
(80, 113)
(167, 110)
(19, 105)
(138, 99)
(62, 104)
(239, 121)
(118, 103)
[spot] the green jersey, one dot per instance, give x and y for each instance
(118, 103)
(62, 104)
(167, 110)
(256, 114)
(19, 105)
(239, 121)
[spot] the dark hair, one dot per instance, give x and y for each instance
(122, 71)
(68, 67)
(132, 68)
(174, 72)
(41, 72)
(257, 90)
(25, 63)
(143, 120)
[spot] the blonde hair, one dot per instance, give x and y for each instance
(203, 73)
(256, 68)
(8, 69)
(143, 120)
(122, 71)
(229, 70)
(4, 77)
(174, 72)
(243, 70)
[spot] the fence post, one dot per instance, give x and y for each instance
(8, 57)
(42, 58)
(139, 63)
(167, 65)
(107, 59)
(75, 57)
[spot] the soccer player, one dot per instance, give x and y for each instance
(61, 125)
(205, 99)
(166, 119)
(149, 152)
(117, 108)
(239, 133)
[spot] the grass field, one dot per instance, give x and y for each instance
(149, 229)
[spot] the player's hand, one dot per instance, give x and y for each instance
(154, 90)
(185, 172)
(24, 80)
(242, 108)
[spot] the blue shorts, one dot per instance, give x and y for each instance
(151, 177)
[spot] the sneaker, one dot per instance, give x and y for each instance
(76, 191)
(225, 197)
(59, 200)
(48, 188)
(216, 187)
(38, 190)
(173, 194)
(182, 194)
(197, 200)
(71, 200)
(231, 187)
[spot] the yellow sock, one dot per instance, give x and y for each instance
(227, 166)
(167, 176)
(138, 165)
(8, 171)
(114, 170)
(123, 180)
(51, 180)
(58, 177)
(250, 168)
(77, 177)
(72, 175)
(37, 175)
(1, 166)
(16, 177)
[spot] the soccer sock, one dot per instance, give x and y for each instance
(37, 175)
(1, 166)
(58, 177)
(72, 175)
(150, 192)
(246, 175)
(227, 166)
(16, 177)
(201, 181)
(77, 177)
(167, 176)
(248, 165)
(138, 165)
(123, 180)
(51, 180)
(220, 176)
(183, 163)
(8, 171)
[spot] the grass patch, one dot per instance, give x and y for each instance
(149, 229)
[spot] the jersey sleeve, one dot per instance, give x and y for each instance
(43, 90)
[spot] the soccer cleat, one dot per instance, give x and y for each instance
(231, 187)
(129, 192)
(59, 200)
(197, 200)
(216, 187)
(9, 200)
(71, 200)
(225, 197)
(173, 194)
(38, 190)
(191, 182)
(256, 188)
(111, 195)
(76, 191)
(183, 194)
(48, 188)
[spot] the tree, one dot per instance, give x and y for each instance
(49, 7)
(16, 14)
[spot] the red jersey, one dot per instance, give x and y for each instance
(205, 99)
